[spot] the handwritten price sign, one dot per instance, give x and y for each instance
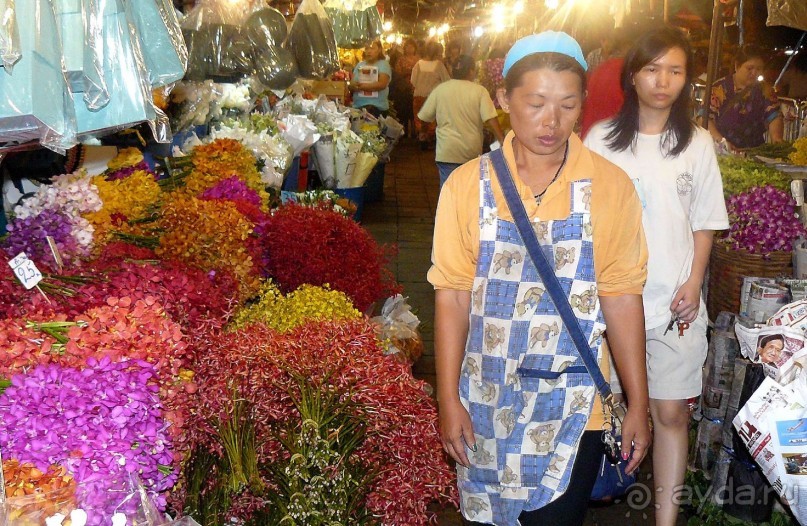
(25, 270)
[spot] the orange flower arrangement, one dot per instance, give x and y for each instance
(218, 160)
(210, 235)
(125, 200)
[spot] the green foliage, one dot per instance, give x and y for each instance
(321, 483)
(740, 175)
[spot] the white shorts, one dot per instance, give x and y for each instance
(674, 364)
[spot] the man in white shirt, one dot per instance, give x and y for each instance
(461, 108)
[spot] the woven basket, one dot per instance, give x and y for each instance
(727, 268)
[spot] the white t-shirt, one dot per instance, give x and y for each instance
(679, 195)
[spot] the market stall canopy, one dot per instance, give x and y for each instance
(791, 13)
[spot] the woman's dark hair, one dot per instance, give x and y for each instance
(748, 52)
(410, 42)
(434, 50)
(765, 340)
(550, 60)
(680, 128)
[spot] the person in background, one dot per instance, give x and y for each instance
(605, 97)
(742, 107)
(673, 165)
(371, 78)
(401, 90)
(453, 51)
(599, 55)
(460, 107)
(528, 450)
(426, 75)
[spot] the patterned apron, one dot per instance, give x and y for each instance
(522, 380)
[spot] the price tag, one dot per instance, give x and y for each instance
(25, 270)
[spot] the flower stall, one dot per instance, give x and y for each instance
(208, 352)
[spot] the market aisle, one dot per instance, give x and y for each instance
(406, 218)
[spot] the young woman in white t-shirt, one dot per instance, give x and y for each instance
(672, 163)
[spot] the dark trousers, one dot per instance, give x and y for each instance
(570, 509)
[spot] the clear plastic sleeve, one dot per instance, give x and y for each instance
(399, 326)
(9, 35)
(164, 50)
(274, 65)
(792, 13)
(312, 41)
(375, 27)
(35, 103)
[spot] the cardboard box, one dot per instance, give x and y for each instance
(330, 88)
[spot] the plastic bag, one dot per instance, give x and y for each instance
(9, 36)
(35, 103)
(312, 41)
(399, 325)
(300, 132)
(164, 50)
(375, 27)
(274, 65)
(324, 154)
(123, 502)
(348, 145)
(791, 13)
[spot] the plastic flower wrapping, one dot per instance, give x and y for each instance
(763, 220)
(260, 135)
(193, 104)
(101, 423)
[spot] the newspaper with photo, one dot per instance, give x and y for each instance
(780, 349)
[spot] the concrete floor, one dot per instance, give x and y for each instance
(405, 217)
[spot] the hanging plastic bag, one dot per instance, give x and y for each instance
(375, 26)
(35, 103)
(791, 13)
(312, 41)
(164, 50)
(274, 66)
(9, 36)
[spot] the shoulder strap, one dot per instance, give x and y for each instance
(548, 276)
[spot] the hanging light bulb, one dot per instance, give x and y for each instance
(444, 28)
(387, 25)
(498, 11)
(479, 31)
(518, 7)
(551, 4)
(432, 31)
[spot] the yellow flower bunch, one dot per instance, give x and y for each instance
(130, 199)
(219, 160)
(307, 303)
(799, 156)
(208, 235)
(125, 158)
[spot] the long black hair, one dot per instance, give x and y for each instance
(680, 127)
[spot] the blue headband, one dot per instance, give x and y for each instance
(546, 42)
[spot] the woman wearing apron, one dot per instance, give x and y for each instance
(527, 444)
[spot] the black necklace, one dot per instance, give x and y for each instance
(540, 196)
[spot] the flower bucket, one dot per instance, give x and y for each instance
(355, 196)
(727, 268)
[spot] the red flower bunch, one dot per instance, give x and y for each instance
(319, 247)
(401, 420)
